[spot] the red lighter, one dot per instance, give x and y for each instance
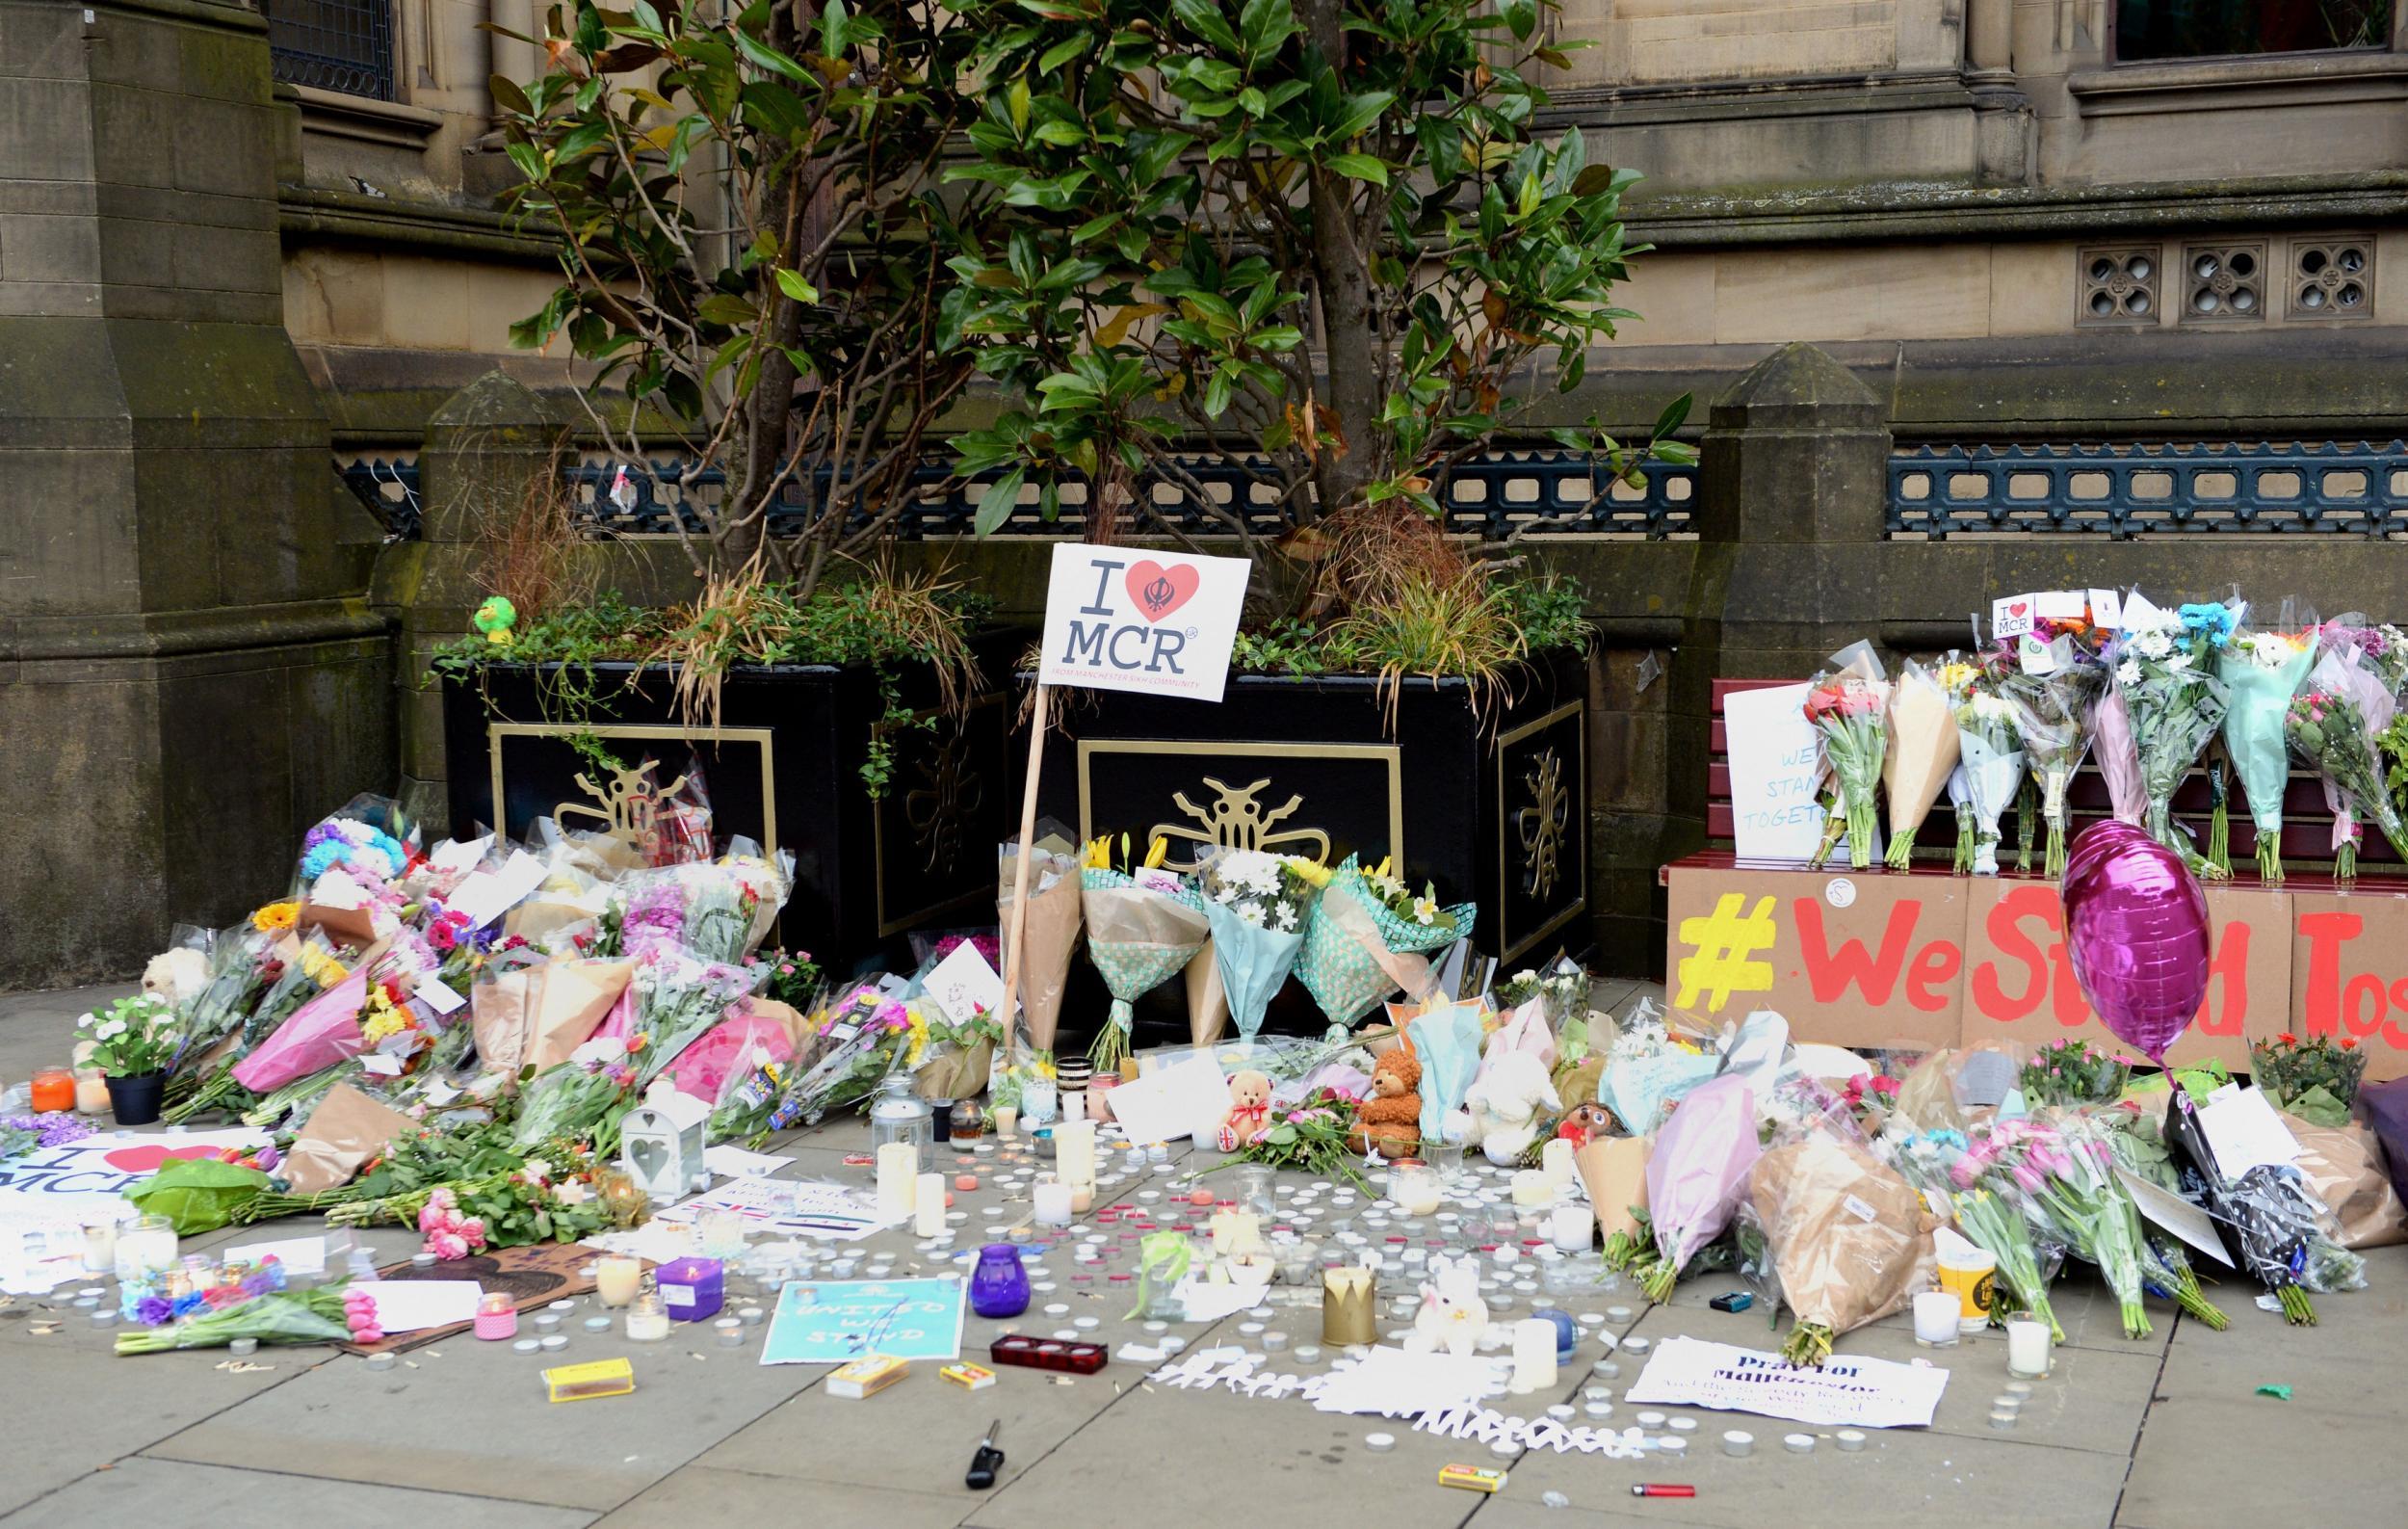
(1657, 1488)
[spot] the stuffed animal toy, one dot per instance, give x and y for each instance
(1503, 1104)
(496, 618)
(1390, 1119)
(1249, 1111)
(176, 976)
(1451, 1316)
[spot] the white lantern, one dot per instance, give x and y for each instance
(660, 1143)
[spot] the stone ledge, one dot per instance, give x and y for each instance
(2239, 84)
(333, 113)
(1851, 96)
(109, 636)
(314, 214)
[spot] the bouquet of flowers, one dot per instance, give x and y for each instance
(2333, 727)
(2262, 670)
(1850, 1239)
(1985, 724)
(1848, 704)
(1919, 752)
(1365, 939)
(1563, 986)
(2173, 704)
(2267, 1220)
(1943, 1165)
(273, 1314)
(1049, 934)
(857, 1037)
(26, 1133)
(2048, 712)
(2071, 1072)
(1141, 929)
(2136, 1144)
(2315, 1079)
(1257, 904)
(1310, 1135)
(350, 844)
(1697, 1173)
(2068, 1175)
(678, 998)
(576, 1100)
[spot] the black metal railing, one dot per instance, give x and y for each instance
(388, 487)
(2123, 491)
(1492, 496)
(344, 45)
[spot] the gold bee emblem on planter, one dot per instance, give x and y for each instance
(951, 791)
(1541, 825)
(631, 804)
(1238, 821)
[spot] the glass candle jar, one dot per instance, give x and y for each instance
(999, 1285)
(54, 1090)
(1415, 1187)
(648, 1320)
(622, 1197)
(1052, 1200)
(1254, 1189)
(91, 1091)
(969, 1121)
(617, 1279)
(901, 1115)
(146, 1245)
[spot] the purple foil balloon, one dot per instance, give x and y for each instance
(2136, 928)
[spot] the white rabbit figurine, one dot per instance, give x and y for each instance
(1503, 1103)
(1453, 1315)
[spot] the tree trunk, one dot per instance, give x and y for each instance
(1343, 281)
(769, 410)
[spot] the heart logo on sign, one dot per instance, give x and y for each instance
(2016, 609)
(1160, 591)
(146, 1159)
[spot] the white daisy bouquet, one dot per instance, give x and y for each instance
(1257, 905)
(2172, 702)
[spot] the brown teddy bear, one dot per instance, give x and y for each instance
(1249, 1110)
(1390, 1119)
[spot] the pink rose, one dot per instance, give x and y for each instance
(448, 1246)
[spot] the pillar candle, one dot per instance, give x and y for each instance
(617, 1277)
(1074, 1152)
(1532, 1187)
(1554, 1160)
(1052, 1197)
(1573, 1227)
(1533, 1354)
(1005, 1118)
(929, 1205)
(1074, 1104)
(898, 1175)
(2027, 1350)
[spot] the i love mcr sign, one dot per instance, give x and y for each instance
(1157, 622)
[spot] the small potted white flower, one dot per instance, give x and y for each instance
(132, 1042)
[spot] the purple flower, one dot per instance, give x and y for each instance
(655, 918)
(153, 1310)
(268, 1157)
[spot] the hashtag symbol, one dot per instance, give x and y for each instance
(1723, 941)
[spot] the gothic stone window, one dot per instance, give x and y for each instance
(341, 45)
(2147, 29)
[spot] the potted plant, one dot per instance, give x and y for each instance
(132, 1042)
(753, 244)
(1325, 247)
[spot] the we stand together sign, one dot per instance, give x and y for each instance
(1869, 959)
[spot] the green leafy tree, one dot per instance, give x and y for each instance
(754, 244)
(1320, 238)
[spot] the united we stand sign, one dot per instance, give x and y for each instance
(1159, 624)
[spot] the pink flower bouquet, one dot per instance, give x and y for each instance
(321, 1031)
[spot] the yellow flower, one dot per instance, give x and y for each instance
(275, 917)
(321, 968)
(1313, 871)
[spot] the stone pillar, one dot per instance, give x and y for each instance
(189, 673)
(484, 445)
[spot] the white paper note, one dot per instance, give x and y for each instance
(1206, 1301)
(2244, 1132)
(2011, 615)
(965, 985)
(297, 1255)
(2175, 1213)
(1170, 1101)
(1775, 815)
(484, 896)
(736, 1163)
(412, 1306)
(2106, 610)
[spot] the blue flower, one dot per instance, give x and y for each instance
(2213, 620)
(187, 1304)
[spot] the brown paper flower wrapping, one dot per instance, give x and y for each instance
(954, 1073)
(573, 997)
(497, 1009)
(1208, 1007)
(2343, 1166)
(1048, 940)
(1921, 749)
(1613, 1170)
(1851, 1240)
(345, 1130)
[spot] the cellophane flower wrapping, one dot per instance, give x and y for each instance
(1700, 1166)
(321, 1031)
(1137, 936)
(1994, 767)
(285, 1316)
(2269, 1223)
(1358, 949)
(1649, 1068)
(1919, 751)
(2065, 1168)
(679, 998)
(2332, 729)
(2049, 712)
(1943, 1164)
(2262, 670)
(1849, 1238)
(1049, 934)
(1848, 703)
(2118, 756)
(2173, 703)
(1258, 908)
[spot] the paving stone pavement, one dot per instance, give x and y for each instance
(2165, 1433)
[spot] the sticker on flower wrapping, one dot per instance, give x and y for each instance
(2011, 616)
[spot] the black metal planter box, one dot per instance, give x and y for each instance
(782, 767)
(1490, 809)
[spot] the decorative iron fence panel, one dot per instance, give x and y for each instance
(2123, 491)
(343, 45)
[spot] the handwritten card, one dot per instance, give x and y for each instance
(965, 985)
(1775, 815)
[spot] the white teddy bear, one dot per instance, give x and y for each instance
(1504, 1106)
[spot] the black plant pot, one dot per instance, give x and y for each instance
(783, 766)
(136, 1101)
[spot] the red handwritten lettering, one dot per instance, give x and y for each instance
(2004, 928)
(2321, 994)
(1832, 972)
(2228, 979)
(1935, 963)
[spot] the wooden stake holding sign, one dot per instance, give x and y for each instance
(1121, 618)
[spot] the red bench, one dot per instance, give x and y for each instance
(2307, 824)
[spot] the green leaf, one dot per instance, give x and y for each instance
(508, 96)
(1673, 415)
(1016, 98)
(995, 506)
(1204, 18)
(1063, 52)
(792, 283)
(1055, 131)
(721, 307)
(769, 58)
(1358, 167)
(834, 34)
